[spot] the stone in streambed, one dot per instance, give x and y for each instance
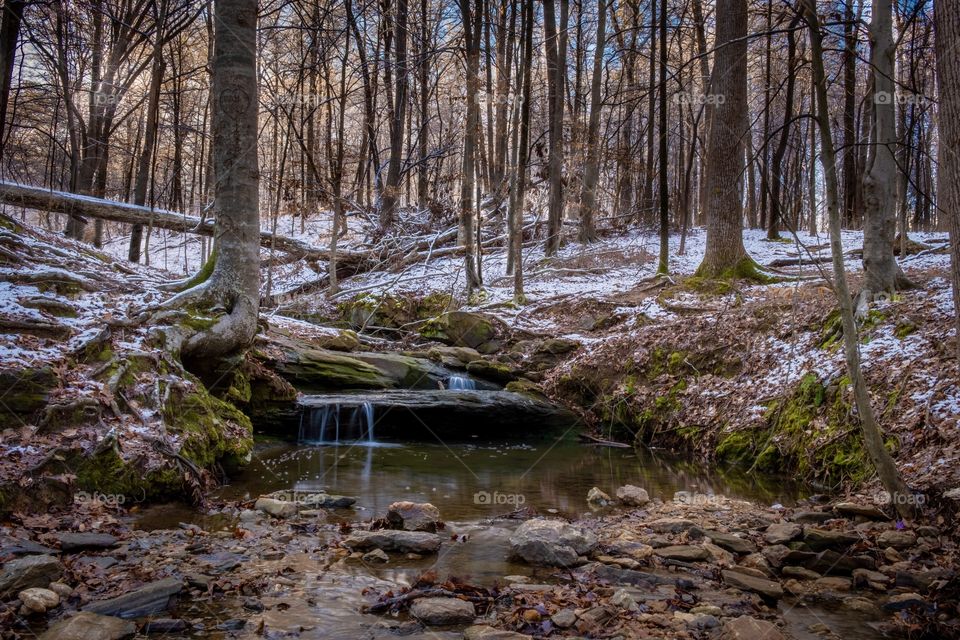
(730, 542)
(392, 540)
(854, 510)
(38, 600)
(485, 632)
(72, 542)
(147, 600)
(443, 611)
(782, 533)
(671, 525)
(597, 498)
(377, 556)
(747, 628)
(820, 539)
(24, 573)
(764, 587)
(683, 552)
(897, 539)
(551, 542)
(276, 508)
(413, 516)
(632, 496)
(90, 626)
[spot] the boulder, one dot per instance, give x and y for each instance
(464, 329)
(391, 540)
(903, 601)
(90, 626)
(443, 611)
(551, 542)
(377, 556)
(147, 600)
(413, 516)
(597, 498)
(632, 496)
(811, 517)
(782, 533)
(493, 371)
(747, 628)
(565, 618)
(276, 508)
(24, 573)
(766, 588)
(38, 600)
(856, 510)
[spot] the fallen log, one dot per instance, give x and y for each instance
(31, 197)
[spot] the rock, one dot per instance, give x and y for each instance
(276, 508)
(72, 542)
(782, 533)
(37, 600)
(398, 541)
(731, 542)
(898, 539)
(595, 618)
(90, 626)
(903, 601)
(750, 571)
(747, 628)
(165, 625)
(565, 618)
(24, 573)
(921, 580)
(551, 542)
(632, 496)
(443, 611)
(686, 553)
(800, 573)
(61, 589)
(671, 525)
(484, 632)
(147, 600)
(457, 357)
(697, 621)
(757, 561)
(952, 494)
(811, 517)
(413, 516)
(464, 329)
(597, 498)
(10, 546)
(617, 575)
(764, 587)
(833, 584)
(621, 598)
(776, 554)
(820, 539)
(493, 371)
(720, 556)
(376, 556)
(324, 501)
(854, 510)
(872, 579)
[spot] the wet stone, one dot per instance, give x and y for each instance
(90, 626)
(782, 533)
(443, 611)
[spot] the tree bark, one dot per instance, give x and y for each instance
(471, 32)
(556, 45)
(664, 261)
(591, 171)
(391, 190)
(725, 253)
(9, 33)
(872, 436)
(947, 24)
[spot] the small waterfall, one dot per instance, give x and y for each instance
(461, 383)
(334, 424)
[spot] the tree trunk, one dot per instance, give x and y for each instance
(664, 261)
(9, 33)
(947, 24)
(881, 272)
(872, 436)
(391, 190)
(556, 72)
(725, 255)
(851, 176)
(776, 205)
(471, 33)
(591, 171)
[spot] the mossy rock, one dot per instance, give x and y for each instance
(492, 370)
(464, 329)
(317, 369)
(392, 311)
(403, 371)
(528, 388)
(25, 391)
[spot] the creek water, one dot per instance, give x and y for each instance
(471, 483)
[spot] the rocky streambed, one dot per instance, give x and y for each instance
(305, 565)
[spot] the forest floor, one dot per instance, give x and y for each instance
(742, 373)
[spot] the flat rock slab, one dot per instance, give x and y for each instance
(747, 628)
(443, 611)
(820, 539)
(90, 626)
(897, 539)
(24, 573)
(10, 546)
(72, 542)
(812, 517)
(484, 632)
(671, 525)
(554, 543)
(764, 587)
(619, 576)
(782, 533)
(150, 599)
(730, 542)
(684, 552)
(390, 540)
(854, 509)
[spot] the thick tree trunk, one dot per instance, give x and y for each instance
(725, 254)
(591, 171)
(776, 204)
(872, 436)
(471, 33)
(881, 272)
(851, 177)
(947, 23)
(9, 33)
(391, 190)
(664, 261)
(556, 45)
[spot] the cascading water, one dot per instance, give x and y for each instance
(336, 424)
(461, 383)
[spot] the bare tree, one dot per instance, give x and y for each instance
(591, 171)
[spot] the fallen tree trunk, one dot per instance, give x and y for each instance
(31, 197)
